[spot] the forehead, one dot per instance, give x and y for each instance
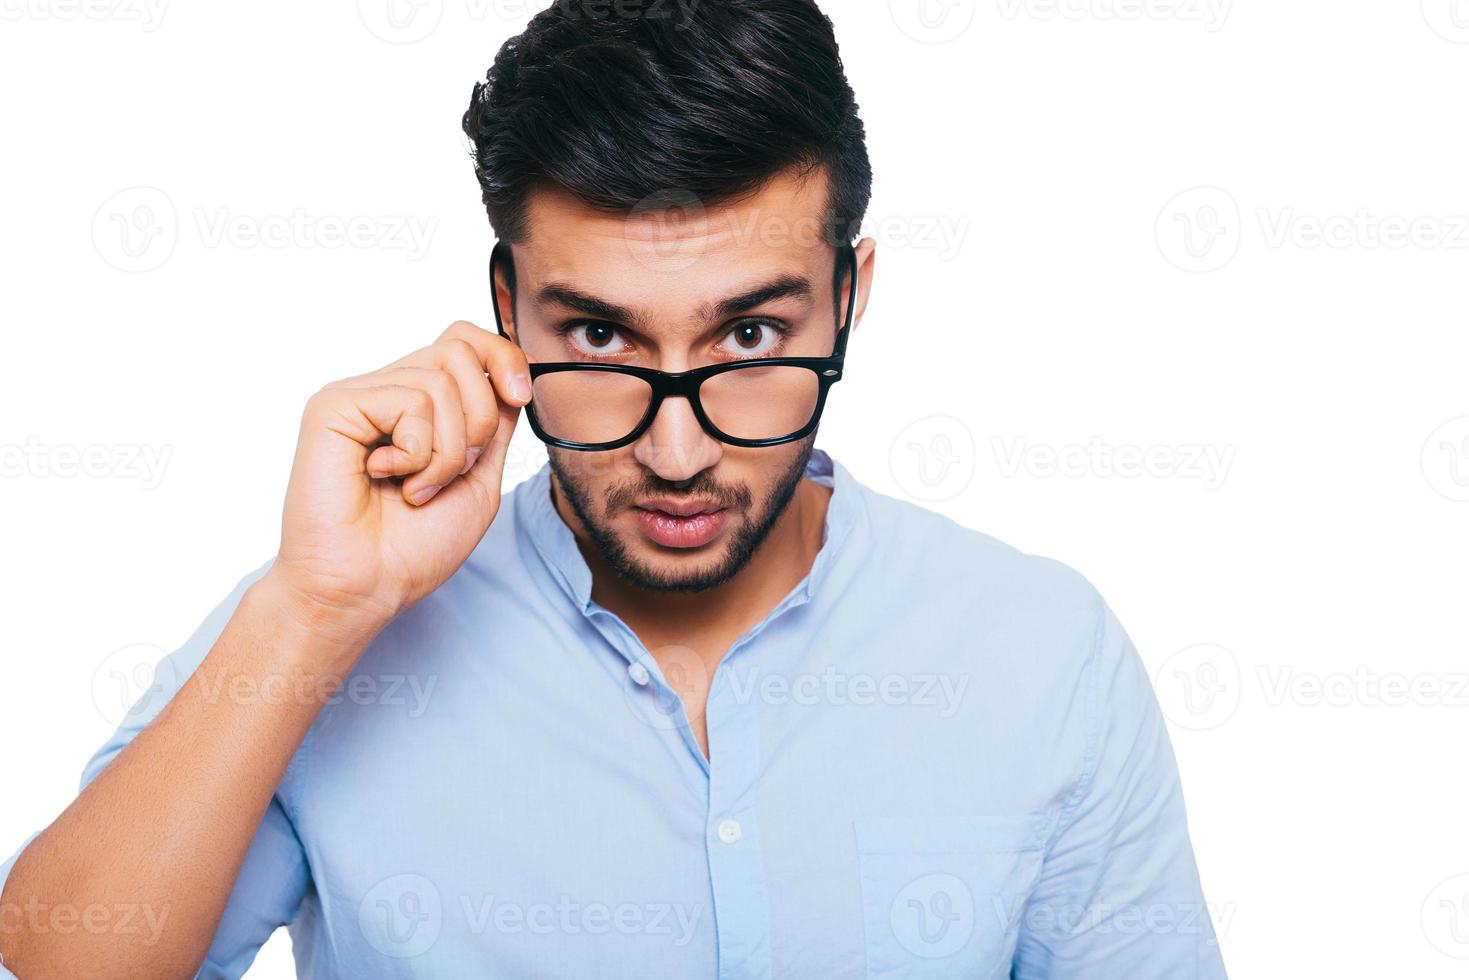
(678, 252)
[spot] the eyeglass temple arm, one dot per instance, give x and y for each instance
(844, 330)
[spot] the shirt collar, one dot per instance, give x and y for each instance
(538, 520)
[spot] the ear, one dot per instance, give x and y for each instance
(502, 275)
(866, 251)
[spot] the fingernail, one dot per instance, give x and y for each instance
(470, 458)
(424, 496)
(520, 387)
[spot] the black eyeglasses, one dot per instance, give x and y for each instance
(753, 403)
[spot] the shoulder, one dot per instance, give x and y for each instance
(997, 583)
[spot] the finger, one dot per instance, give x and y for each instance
(503, 361)
(481, 409)
(368, 415)
(448, 452)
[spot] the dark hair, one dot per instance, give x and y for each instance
(620, 101)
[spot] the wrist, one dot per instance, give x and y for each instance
(328, 631)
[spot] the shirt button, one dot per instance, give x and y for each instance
(729, 831)
(639, 674)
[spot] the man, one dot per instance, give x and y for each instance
(689, 703)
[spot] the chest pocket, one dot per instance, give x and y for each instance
(943, 898)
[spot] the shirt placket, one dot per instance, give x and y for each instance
(730, 776)
(732, 841)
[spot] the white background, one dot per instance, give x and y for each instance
(1054, 301)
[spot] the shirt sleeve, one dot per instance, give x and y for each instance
(1119, 894)
(274, 877)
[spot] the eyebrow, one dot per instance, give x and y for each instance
(782, 287)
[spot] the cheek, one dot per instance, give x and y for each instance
(759, 471)
(595, 471)
(598, 478)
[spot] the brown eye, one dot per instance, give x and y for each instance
(752, 338)
(596, 339)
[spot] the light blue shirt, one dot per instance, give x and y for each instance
(936, 757)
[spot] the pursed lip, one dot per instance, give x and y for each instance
(681, 508)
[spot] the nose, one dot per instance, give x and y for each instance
(676, 447)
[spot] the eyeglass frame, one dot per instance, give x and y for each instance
(686, 384)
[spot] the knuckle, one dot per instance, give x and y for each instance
(457, 348)
(453, 460)
(481, 426)
(515, 357)
(435, 382)
(418, 401)
(459, 328)
(324, 399)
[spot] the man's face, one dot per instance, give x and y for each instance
(676, 289)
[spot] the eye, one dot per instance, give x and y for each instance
(752, 338)
(596, 339)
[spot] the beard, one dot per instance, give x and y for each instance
(743, 543)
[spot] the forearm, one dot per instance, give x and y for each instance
(164, 829)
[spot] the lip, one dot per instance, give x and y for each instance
(683, 524)
(681, 508)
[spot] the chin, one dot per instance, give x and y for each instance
(658, 569)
